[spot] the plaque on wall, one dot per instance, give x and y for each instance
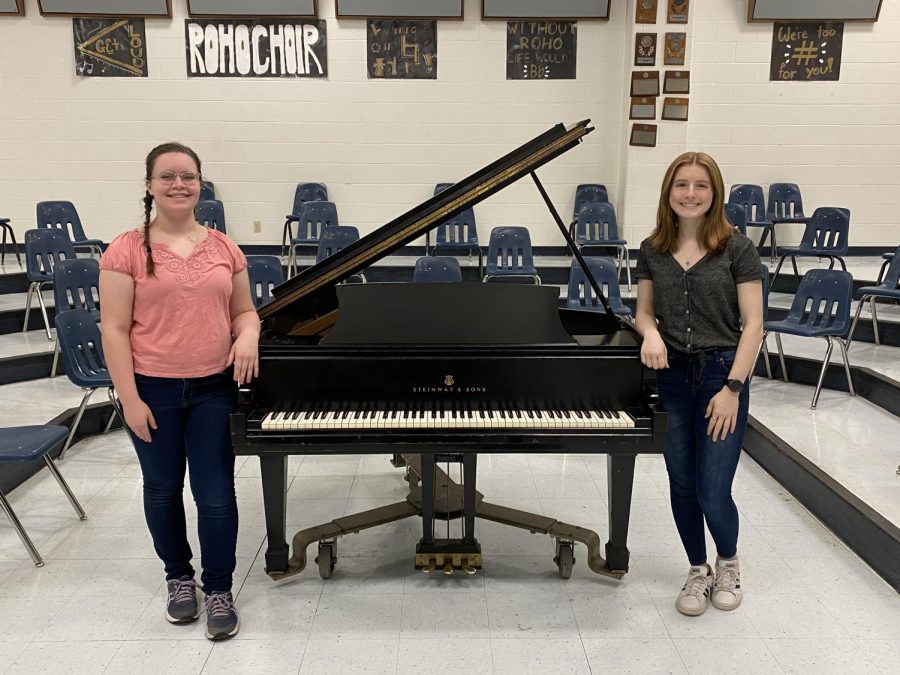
(296, 9)
(642, 108)
(541, 50)
(677, 82)
(110, 47)
(12, 7)
(675, 109)
(643, 135)
(645, 49)
(401, 50)
(678, 11)
(645, 83)
(675, 44)
(804, 52)
(645, 11)
(111, 8)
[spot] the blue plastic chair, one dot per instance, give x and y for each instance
(821, 308)
(207, 190)
(785, 205)
(26, 444)
(76, 285)
(336, 238)
(510, 257)
(81, 349)
(61, 215)
(265, 273)
(581, 294)
(826, 236)
(459, 233)
(888, 289)
(43, 250)
(584, 193)
(887, 258)
(305, 192)
(211, 213)
(737, 216)
(754, 203)
(763, 346)
(438, 188)
(314, 217)
(597, 227)
(433, 269)
(8, 231)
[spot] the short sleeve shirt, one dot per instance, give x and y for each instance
(181, 318)
(698, 308)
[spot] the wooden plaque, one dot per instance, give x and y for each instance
(645, 49)
(675, 45)
(642, 108)
(15, 7)
(675, 109)
(677, 82)
(645, 11)
(678, 11)
(645, 83)
(643, 135)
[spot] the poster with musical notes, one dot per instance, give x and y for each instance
(401, 50)
(110, 47)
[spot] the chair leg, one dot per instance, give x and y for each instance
(828, 351)
(843, 264)
(794, 265)
(55, 360)
(774, 248)
(874, 320)
(65, 488)
(40, 298)
(775, 273)
(859, 307)
(76, 421)
(759, 350)
(17, 526)
(765, 348)
(846, 365)
(784, 373)
(627, 268)
(28, 305)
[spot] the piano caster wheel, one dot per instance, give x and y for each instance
(565, 558)
(327, 559)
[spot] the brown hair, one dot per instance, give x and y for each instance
(715, 230)
(150, 163)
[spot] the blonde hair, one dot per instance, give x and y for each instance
(715, 230)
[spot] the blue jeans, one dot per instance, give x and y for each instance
(192, 429)
(701, 470)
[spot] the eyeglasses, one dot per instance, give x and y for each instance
(168, 177)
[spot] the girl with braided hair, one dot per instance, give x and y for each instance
(180, 333)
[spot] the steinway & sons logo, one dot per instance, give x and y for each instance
(449, 387)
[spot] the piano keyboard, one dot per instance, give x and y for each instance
(329, 419)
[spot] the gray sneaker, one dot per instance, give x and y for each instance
(181, 605)
(694, 597)
(221, 619)
(726, 593)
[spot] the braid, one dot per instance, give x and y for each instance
(148, 205)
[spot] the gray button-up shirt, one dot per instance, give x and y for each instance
(698, 308)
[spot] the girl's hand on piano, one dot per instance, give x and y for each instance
(244, 355)
(139, 419)
(653, 351)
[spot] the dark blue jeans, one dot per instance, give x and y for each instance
(701, 470)
(192, 429)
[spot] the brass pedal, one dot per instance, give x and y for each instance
(426, 569)
(468, 569)
(448, 569)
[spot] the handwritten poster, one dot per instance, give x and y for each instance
(110, 47)
(402, 50)
(804, 52)
(541, 50)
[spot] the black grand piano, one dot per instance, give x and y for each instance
(433, 373)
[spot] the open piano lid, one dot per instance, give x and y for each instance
(307, 304)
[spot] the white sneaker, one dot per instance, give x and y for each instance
(694, 597)
(727, 588)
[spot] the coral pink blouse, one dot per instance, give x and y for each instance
(181, 321)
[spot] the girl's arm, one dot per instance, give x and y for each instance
(653, 350)
(245, 326)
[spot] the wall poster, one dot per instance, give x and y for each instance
(401, 50)
(803, 52)
(541, 50)
(271, 47)
(110, 47)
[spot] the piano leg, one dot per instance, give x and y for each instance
(620, 482)
(274, 482)
(469, 465)
(427, 477)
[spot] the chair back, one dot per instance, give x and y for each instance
(752, 199)
(43, 249)
(509, 252)
(207, 190)
(265, 273)
(737, 216)
(60, 215)
(764, 270)
(588, 192)
(334, 238)
(458, 230)
(821, 305)
(581, 294)
(827, 231)
(784, 201)
(314, 217)
(211, 213)
(596, 224)
(308, 192)
(81, 349)
(437, 269)
(76, 285)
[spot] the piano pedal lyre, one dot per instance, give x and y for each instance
(469, 563)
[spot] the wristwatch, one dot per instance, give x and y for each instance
(734, 386)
